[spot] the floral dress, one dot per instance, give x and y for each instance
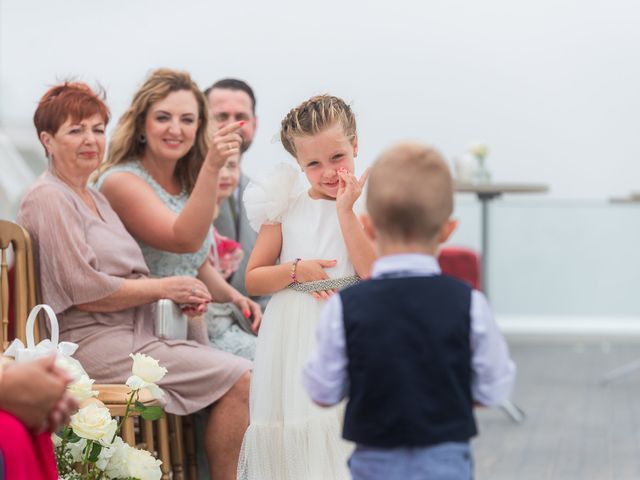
(224, 334)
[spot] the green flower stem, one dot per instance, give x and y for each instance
(130, 400)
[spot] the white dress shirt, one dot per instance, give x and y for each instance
(325, 376)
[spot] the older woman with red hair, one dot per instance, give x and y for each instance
(93, 274)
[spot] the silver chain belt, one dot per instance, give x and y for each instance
(328, 284)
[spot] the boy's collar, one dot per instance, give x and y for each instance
(414, 263)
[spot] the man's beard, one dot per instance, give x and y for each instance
(244, 146)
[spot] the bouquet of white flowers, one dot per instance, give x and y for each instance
(89, 448)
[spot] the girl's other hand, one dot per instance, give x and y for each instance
(323, 294)
(226, 143)
(349, 189)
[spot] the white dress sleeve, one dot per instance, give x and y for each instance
(268, 199)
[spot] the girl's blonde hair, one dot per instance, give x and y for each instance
(315, 115)
(127, 142)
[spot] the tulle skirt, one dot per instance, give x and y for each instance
(289, 437)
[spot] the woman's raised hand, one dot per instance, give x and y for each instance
(226, 142)
(185, 290)
(349, 188)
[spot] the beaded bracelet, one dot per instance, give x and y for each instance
(293, 270)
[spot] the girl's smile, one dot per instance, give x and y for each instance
(321, 156)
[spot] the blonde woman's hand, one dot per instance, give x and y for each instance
(250, 309)
(226, 143)
(185, 290)
(349, 189)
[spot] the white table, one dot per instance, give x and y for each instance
(485, 193)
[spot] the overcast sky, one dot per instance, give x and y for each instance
(550, 85)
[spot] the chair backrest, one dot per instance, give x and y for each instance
(462, 263)
(23, 297)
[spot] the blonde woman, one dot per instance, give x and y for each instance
(161, 177)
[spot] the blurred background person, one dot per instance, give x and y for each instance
(232, 100)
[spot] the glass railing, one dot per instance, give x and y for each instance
(552, 257)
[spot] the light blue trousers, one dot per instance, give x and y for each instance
(445, 461)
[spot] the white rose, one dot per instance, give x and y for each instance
(127, 461)
(76, 449)
(94, 423)
(117, 465)
(70, 365)
(143, 466)
(82, 389)
(146, 372)
(147, 368)
(107, 453)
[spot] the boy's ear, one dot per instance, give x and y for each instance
(447, 229)
(355, 145)
(368, 226)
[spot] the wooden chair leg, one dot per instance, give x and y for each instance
(177, 441)
(190, 444)
(128, 432)
(147, 436)
(163, 448)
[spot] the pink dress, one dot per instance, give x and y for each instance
(82, 258)
(25, 456)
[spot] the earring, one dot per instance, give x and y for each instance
(142, 138)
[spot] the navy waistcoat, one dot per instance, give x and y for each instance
(409, 353)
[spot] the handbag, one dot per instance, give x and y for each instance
(169, 321)
(31, 351)
(230, 310)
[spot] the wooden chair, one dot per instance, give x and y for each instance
(15, 238)
(164, 438)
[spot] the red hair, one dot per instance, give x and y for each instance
(69, 100)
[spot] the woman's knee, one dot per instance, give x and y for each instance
(240, 390)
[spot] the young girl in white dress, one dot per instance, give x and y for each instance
(310, 243)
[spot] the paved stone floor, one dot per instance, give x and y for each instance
(575, 427)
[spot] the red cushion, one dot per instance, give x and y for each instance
(462, 263)
(25, 456)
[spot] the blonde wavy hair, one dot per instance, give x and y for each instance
(313, 116)
(126, 144)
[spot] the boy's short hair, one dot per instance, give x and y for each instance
(410, 193)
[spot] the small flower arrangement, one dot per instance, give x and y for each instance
(480, 152)
(89, 447)
(229, 255)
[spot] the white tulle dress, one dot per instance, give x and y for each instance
(290, 438)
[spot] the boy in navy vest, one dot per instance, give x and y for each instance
(413, 349)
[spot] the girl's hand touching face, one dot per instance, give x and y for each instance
(349, 189)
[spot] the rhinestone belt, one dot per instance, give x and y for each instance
(328, 284)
